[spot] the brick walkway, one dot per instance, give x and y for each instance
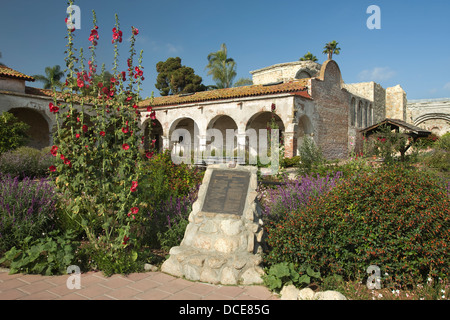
(136, 286)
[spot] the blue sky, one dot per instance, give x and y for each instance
(412, 48)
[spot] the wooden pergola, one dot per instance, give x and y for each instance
(395, 124)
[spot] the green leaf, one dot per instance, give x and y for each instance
(304, 279)
(312, 273)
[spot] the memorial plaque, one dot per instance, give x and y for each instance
(227, 192)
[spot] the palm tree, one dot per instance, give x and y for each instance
(330, 48)
(309, 57)
(222, 68)
(53, 76)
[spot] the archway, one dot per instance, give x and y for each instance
(39, 131)
(258, 127)
(183, 138)
(353, 112)
(304, 128)
(217, 128)
(153, 131)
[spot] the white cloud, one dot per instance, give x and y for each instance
(377, 74)
(171, 48)
(447, 86)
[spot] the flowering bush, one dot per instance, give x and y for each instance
(166, 201)
(26, 162)
(27, 208)
(394, 218)
(96, 146)
(294, 194)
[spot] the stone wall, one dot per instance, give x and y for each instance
(331, 103)
(285, 72)
(396, 103)
(430, 114)
(14, 85)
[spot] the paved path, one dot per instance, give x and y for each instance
(136, 286)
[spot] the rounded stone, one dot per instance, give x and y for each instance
(226, 245)
(231, 227)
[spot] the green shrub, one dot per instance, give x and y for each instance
(291, 162)
(13, 133)
(284, 273)
(48, 255)
(311, 157)
(26, 162)
(167, 198)
(394, 218)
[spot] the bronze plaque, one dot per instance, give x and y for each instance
(227, 192)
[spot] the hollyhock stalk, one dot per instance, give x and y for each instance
(95, 161)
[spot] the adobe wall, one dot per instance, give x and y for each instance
(332, 111)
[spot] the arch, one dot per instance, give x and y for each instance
(39, 131)
(359, 114)
(222, 123)
(370, 116)
(153, 130)
(302, 74)
(262, 121)
(365, 115)
(183, 136)
(304, 128)
(353, 111)
(431, 116)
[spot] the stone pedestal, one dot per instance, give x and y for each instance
(224, 244)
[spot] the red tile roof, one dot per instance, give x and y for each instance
(11, 73)
(297, 87)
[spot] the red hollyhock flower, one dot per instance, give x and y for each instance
(135, 31)
(102, 133)
(52, 168)
(153, 115)
(67, 162)
(54, 150)
(149, 155)
(125, 130)
(77, 135)
(125, 146)
(85, 128)
(53, 108)
(134, 185)
(125, 240)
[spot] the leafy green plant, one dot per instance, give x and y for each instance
(13, 133)
(311, 157)
(49, 255)
(285, 273)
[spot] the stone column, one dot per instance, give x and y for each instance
(290, 144)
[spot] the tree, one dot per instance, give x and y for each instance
(330, 48)
(222, 68)
(53, 76)
(309, 57)
(174, 78)
(243, 82)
